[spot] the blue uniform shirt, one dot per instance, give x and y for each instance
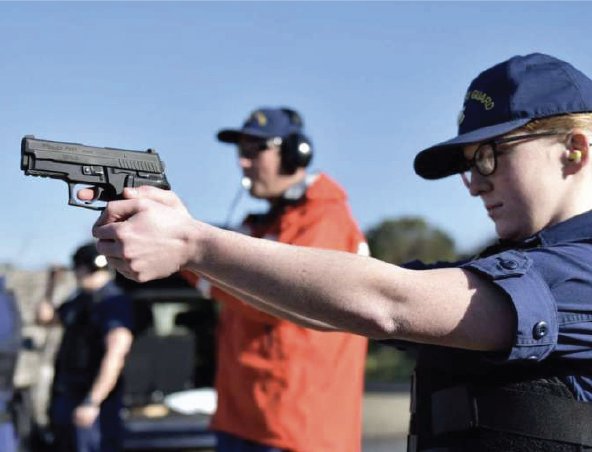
(10, 342)
(548, 280)
(9, 345)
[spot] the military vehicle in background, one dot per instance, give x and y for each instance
(169, 372)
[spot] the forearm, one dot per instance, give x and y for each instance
(261, 305)
(106, 379)
(328, 286)
(111, 367)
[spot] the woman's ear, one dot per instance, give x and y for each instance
(577, 150)
(578, 146)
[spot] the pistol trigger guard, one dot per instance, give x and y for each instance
(74, 201)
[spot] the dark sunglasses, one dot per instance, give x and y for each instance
(485, 158)
(250, 149)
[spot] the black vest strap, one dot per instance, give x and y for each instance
(544, 416)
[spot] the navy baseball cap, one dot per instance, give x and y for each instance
(265, 123)
(506, 97)
(88, 256)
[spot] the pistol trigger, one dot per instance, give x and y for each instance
(74, 201)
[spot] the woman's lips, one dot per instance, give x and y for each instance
(493, 209)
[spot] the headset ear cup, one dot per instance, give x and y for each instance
(296, 152)
(304, 151)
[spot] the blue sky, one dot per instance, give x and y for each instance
(375, 82)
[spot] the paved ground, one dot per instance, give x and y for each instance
(384, 445)
(385, 414)
(385, 421)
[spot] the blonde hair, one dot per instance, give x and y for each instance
(563, 123)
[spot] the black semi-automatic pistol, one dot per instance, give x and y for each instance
(107, 170)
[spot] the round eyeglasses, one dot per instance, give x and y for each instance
(485, 158)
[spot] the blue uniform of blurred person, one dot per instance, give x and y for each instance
(87, 388)
(10, 337)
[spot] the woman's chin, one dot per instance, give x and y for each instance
(507, 231)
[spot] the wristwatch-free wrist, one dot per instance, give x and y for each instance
(87, 401)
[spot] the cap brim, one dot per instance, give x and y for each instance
(447, 158)
(233, 136)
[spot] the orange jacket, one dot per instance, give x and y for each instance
(280, 384)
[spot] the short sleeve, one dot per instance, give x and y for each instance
(116, 311)
(534, 304)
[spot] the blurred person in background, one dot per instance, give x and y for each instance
(282, 387)
(10, 343)
(87, 388)
(504, 340)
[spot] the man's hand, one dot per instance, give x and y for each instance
(85, 415)
(146, 236)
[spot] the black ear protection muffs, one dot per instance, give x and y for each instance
(296, 148)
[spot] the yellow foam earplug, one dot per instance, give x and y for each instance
(574, 156)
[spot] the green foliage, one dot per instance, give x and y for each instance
(386, 364)
(398, 241)
(408, 238)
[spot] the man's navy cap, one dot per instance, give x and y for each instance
(506, 97)
(265, 123)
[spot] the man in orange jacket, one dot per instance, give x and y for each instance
(282, 387)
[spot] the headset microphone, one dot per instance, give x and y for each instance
(246, 183)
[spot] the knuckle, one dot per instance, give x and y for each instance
(108, 211)
(134, 266)
(121, 232)
(126, 256)
(145, 189)
(142, 203)
(129, 275)
(100, 246)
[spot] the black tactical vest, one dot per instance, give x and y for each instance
(82, 348)
(459, 407)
